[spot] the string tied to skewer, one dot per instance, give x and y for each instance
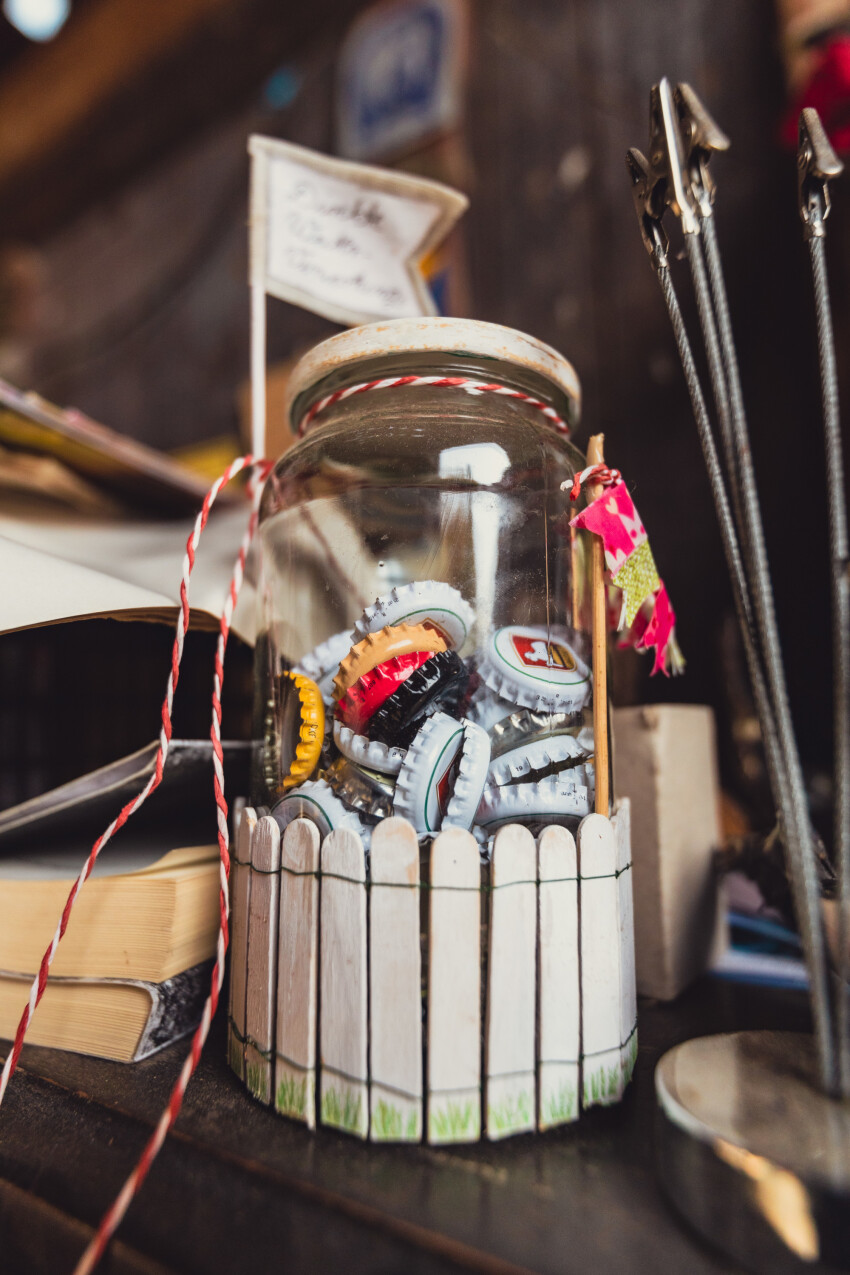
(597, 474)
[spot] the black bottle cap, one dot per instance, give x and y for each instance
(439, 683)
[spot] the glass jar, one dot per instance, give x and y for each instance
(424, 634)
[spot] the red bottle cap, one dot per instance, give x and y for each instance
(370, 691)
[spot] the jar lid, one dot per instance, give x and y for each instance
(436, 335)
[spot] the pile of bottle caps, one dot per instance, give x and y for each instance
(391, 720)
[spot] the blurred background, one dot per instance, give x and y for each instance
(123, 272)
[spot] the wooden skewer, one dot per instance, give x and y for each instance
(599, 610)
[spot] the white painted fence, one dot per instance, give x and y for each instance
(326, 1002)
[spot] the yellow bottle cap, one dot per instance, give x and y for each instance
(307, 732)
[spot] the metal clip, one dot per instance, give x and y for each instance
(645, 186)
(817, 162)
(667, 156)
(702, 136)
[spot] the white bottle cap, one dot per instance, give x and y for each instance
(554, 799)
(370, 753)
(423, 791)
(321, 665)
(534, 667)
(471, 777)
(538, 754)
(316, 801)
(486, 708)
(431, 601)
(527, 724)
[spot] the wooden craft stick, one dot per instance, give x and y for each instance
(600, 642)
(454, 989)
(558, 992)
(621, 822)
(510, 1098)
(297, 973)
(344, 1035)
(262, 958)
(395, 980)
(575, 580)
(602, 1081)
(240, 894)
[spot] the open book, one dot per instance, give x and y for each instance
(72, 548)
(58, 565)
(95, 524)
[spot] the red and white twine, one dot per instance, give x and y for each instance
(114, 1215)
(435, 382)
(593, 474)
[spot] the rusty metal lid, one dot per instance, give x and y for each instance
(469, 337)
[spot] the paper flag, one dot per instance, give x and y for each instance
(341, 239)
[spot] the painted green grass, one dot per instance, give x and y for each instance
(389, 1124)
(452, 1121)
(559, 1106)
(342, 1110)
(257, 1079)
(291, 1097)
(514, 1112)
(630, 1058)
(602, 1086)
(235, 1058)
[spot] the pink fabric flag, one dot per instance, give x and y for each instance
(645, 609)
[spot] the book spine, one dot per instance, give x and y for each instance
(176, 1008)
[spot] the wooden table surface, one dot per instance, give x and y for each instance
(237, 1188)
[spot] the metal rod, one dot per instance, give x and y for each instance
(717, 373)
(799, 842)
(840, 583)
(801, 860)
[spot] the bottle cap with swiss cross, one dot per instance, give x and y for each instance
(533, 667)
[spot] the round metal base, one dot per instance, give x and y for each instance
(753, 1155)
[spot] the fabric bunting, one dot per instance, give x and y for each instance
(642, 604)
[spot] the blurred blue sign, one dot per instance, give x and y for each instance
(400, 77)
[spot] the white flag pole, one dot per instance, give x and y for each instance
(258, 370)
(257, 235)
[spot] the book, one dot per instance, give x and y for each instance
(94, 524)
(761, 951)
(137, 473)
(60, 564)
(84, 806)
(143, 915)
(121, 1019)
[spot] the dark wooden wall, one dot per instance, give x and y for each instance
(145, 318)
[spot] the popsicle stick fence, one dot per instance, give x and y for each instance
(240, 886)
(262, 957)
(336, 953)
